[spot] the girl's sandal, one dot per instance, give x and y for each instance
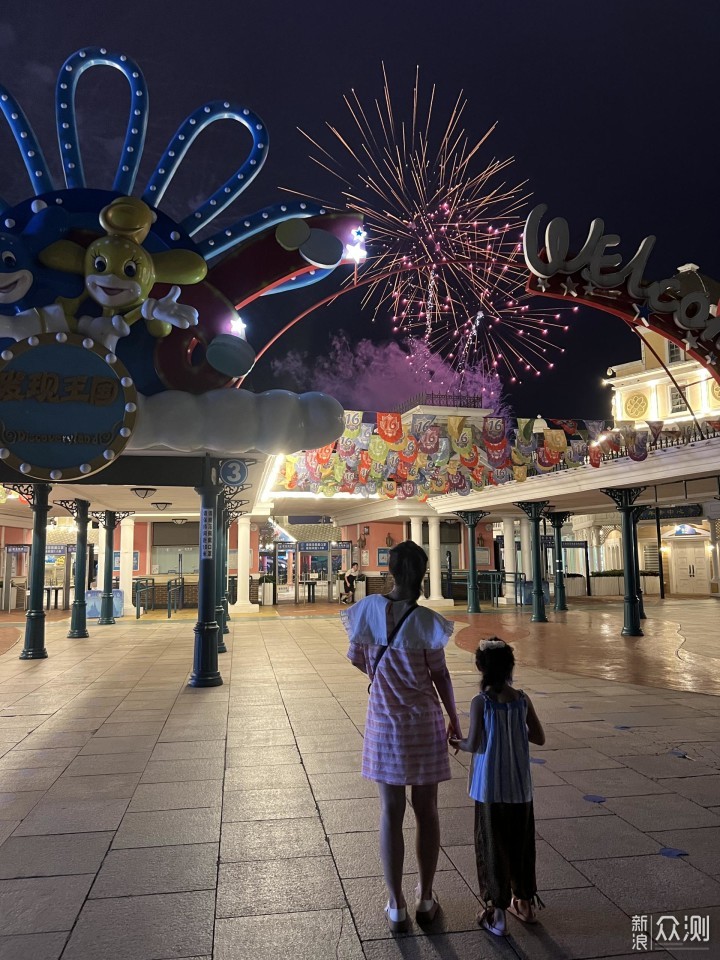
(397, 919)
(527, 916)
(493, 920)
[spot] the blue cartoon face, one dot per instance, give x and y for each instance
(17, 264)
(24, 282)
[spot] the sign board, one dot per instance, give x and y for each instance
(93, 599)
(383, 556)
(482, 556)
(55, 550)
(136, 560)
(314, 546)
(285, 546)
(673, 513)
(207, 533)
(17, 547)
(233, 473)
(67, 407)
(343, 545)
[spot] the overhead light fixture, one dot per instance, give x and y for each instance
(161, 504)
(179, 520)
(143, 492)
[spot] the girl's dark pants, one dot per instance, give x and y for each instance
(505, 852)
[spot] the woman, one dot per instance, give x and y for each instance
(400, 647)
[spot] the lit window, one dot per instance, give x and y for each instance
(677, 401)
(675, 354)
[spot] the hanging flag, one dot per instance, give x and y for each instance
(378, 449)
(471, 460)
(555, 441)
(409, 452)
(520, 473)
(364, 437)
(569, 426)
(390, 426)
(494, 429)
(525, 430)
(353, 421)
(389, 489)
(429, 440)
(420, 422)
(655, 427)
(595, 428)
(323, 454)
(346, 447)
(637, 450)
(595, 454)
(455, 426)
(546, 459)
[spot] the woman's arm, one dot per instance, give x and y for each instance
(536, 734)
(356, 656)
(473, 741)
(440, 676)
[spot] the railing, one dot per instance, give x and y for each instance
(144, 590)
(175, 591)
(444, 400)
(232, 589)
(493, 578)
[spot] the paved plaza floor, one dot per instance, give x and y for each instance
(144, 820)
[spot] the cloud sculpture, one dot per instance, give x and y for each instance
(236, 421)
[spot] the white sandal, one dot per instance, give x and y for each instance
(426, 910)
(397, 918)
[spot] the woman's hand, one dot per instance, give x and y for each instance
(454, 743)
(453, 729)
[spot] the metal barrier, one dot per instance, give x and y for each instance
(175, 592)
(232, 589)
(515, 583)
(493, 579)
(144, 590)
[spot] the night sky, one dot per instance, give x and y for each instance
(609, 109)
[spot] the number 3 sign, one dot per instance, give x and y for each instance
(233, 473)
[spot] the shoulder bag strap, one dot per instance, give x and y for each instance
(391, 637)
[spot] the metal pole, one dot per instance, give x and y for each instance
(534, 511)
(219, 540)
(205, 666)
(624, 498)
(78, 622)
(34, 648)
(471, 518)
(588, 588)
(558, 520)
(636, 554)
(106, 599)
(661, 572)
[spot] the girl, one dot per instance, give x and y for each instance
(502, 721)
(400, 647)
(349, 584)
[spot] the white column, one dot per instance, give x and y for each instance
(434, 558)
(416, 530)
(509, 545)
(100, 555)
(127, 545)
(525, 548)
(243, 567)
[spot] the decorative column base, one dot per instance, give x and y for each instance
(443, 602)
(244, 606)
(34, 636)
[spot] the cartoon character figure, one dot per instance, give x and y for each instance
(120, 273)
(27, 290)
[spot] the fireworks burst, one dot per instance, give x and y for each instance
(444, 255)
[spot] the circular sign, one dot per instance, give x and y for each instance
(636, 406)
(67, 407)
(715, 390)
(233, 473)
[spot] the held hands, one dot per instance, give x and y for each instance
(168, 310)
(454, 734)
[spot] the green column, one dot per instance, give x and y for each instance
(106, 600)
(205, 664)
(534, 510)
(558, 520)
(219, 608)
(624, 498)
(636, 553)
(78, 623)
(471, 518)
(37, 496)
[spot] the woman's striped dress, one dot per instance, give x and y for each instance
(405, 739)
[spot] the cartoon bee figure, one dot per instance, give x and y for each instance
(119, 275)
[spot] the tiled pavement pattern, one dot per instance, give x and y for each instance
(143, 820)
